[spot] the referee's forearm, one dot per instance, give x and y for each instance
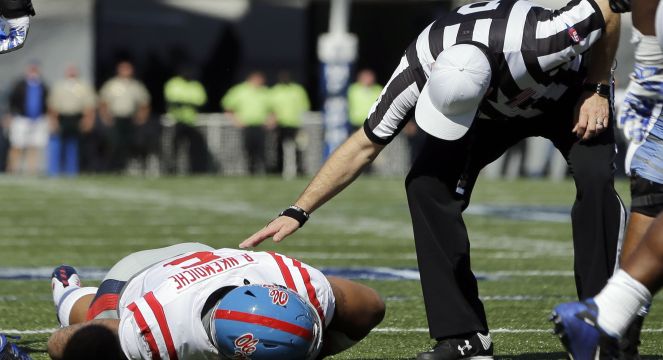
(342, 167)
(603, 52)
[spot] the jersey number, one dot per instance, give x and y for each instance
(203, 257)
(478, 7)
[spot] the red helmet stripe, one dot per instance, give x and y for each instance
(264, 321)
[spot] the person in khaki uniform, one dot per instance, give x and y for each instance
(124, 105)
(71, 108)
(248, 105)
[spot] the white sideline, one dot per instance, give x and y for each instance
(377, 330)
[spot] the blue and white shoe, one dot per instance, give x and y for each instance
(578, 329)
(9, 351)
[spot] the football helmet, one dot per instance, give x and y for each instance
(266, 322)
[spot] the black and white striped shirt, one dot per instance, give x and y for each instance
(537, 53)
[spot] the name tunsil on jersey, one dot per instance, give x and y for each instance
(204, 265)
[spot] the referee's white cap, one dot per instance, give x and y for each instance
(449, 102)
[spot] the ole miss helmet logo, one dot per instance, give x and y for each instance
(573, 34)
(245, 345)
(278, 294)
(279, 297)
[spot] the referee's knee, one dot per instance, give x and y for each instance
(593, 177)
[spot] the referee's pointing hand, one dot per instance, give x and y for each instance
(278, 229)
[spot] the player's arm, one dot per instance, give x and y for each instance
(592, 106)
(358, 309)
(342, 167)
(95, 336)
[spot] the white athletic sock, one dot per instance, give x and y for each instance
(619, 303)
(67, 300)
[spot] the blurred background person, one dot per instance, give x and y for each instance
(248, 105)
(71, 106)
(361, 96)
(4, 142)
(184, 96)
(124, 106)
(28, 131)
(289, 103)
(415, 139)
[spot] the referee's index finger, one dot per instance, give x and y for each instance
(257, 238)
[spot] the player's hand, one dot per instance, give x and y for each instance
(591, 116)
(278, 229)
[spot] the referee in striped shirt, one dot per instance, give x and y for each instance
(478, 80)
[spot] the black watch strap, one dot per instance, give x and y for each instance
(296, 213)
(598, 88)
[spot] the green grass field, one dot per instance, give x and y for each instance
(93, 222)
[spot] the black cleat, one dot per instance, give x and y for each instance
(475, 347)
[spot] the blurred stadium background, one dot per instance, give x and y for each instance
(520, 227)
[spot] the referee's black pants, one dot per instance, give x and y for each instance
(439, 187)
